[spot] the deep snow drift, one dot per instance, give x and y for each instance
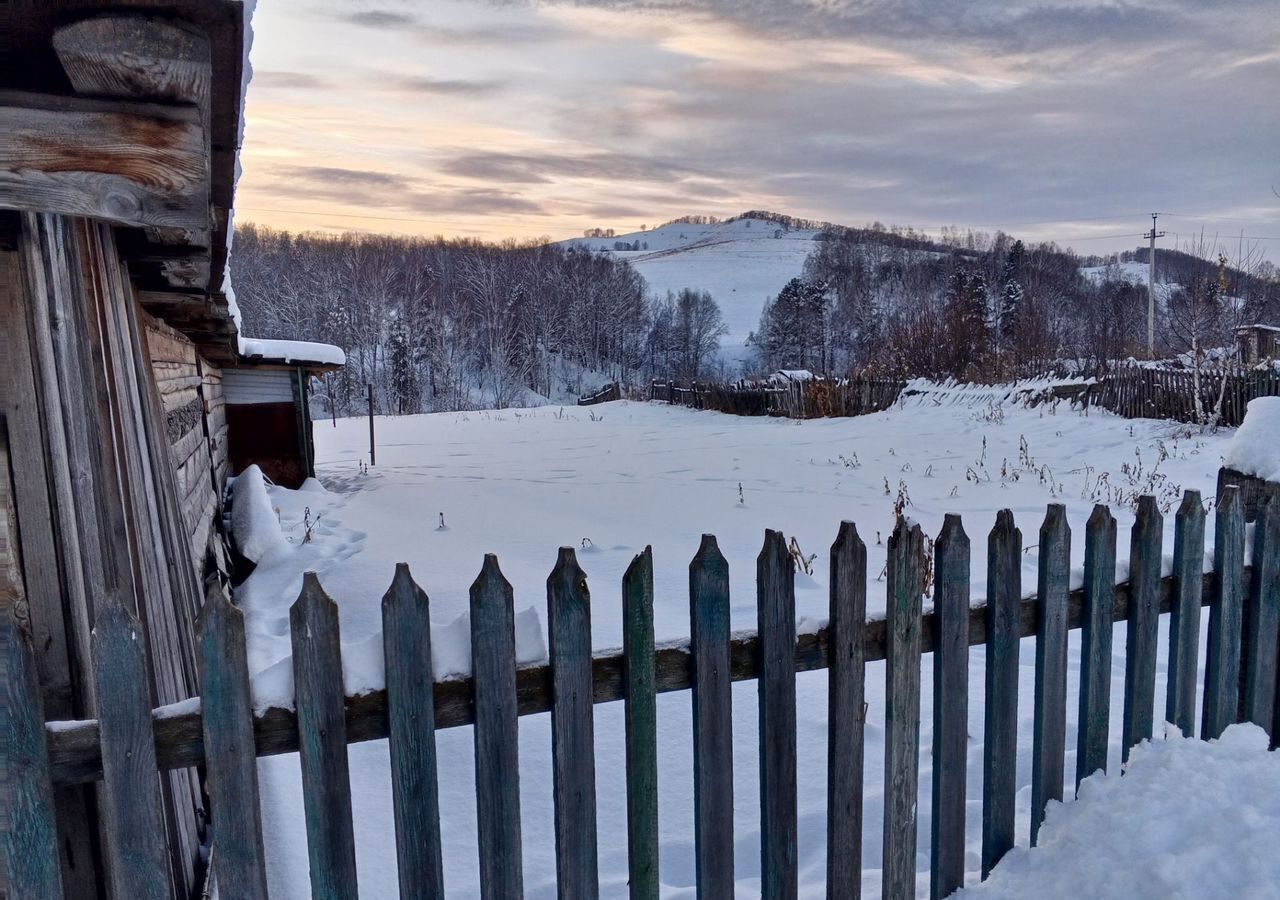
(609, 479)
(1190, 820)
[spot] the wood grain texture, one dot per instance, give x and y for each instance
(322, 732)
(1049, 741)
(132, 165)
(133, 825)
(846, 691)
(776, 626)
(572, 729)
(1142, 632)
(1000, 741)
(902, 709)
(950, 707)
(1263, 636)
(497, 731)
(415, 791)
(712, 721)
(30, 855)
(1222, 654)
(641, 728)
(136, 56)
(1184, 617)
(1095, 643)
(231, 770)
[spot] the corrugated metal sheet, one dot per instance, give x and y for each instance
(241, 387)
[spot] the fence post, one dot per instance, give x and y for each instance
(572, 728)
(415, 790)
(1222, 659)
(1049, 748)
(902, 710)
(1000, 743)
(846, 687)
(231, 766)
(1142, 630)
(1184, 621)
(33, 863)
(322, 742)
(497, 730)
(712, 722)
(1095, 643)
(133, 824)
(776, 628)
(1264, 618)
(641, 728)
(950, 707)
(372, 457)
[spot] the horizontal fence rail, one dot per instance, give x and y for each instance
(1240, 683)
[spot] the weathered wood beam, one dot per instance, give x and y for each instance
(128, 163)
(136, 56)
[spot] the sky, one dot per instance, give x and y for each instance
(1064, 120)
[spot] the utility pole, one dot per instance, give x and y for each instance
(1151, 289)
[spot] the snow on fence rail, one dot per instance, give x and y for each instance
(222, 732)
(796, 399)
(606, 394)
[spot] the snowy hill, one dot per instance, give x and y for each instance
(741, 262)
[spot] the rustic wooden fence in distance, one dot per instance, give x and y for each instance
(129, 742)
(811, 399)
(606, 394)
(1147, 393)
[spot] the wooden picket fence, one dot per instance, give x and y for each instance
(1149, 393)
(606, 394)
(128, 742)
(810, 399)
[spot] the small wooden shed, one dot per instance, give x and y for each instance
(267, 393)
(1258, 343)
(119, 127)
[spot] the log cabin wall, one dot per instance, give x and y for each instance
(190, 389)
(98, 512)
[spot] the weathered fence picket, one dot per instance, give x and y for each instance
(1262, 635)
(322, 733)
(1095, 641)
(1142, 632)
(1000, 741)
(133, 832)
(231, 767)
(902, 709)
(1222, 656)
(33, 867)
(776, 620)
(497, 730)
(415, 791)
(226, 734)
(846, 689)
(573, 760)
(1184, 620)
(712, 721)
(641, 727)
(950, 707)
(1049, 740)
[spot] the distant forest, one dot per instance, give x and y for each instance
(437, 324)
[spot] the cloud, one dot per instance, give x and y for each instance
(446, 87)
(285, 80)
(493, 34)
(543, 168)
(389, 193)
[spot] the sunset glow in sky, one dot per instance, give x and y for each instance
(1069, 120)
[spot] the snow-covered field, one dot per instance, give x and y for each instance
(612, 478)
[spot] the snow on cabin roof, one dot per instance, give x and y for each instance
(1257, 327)
(301, 353)
(795, 374)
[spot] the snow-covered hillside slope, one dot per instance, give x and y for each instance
(741, 263)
